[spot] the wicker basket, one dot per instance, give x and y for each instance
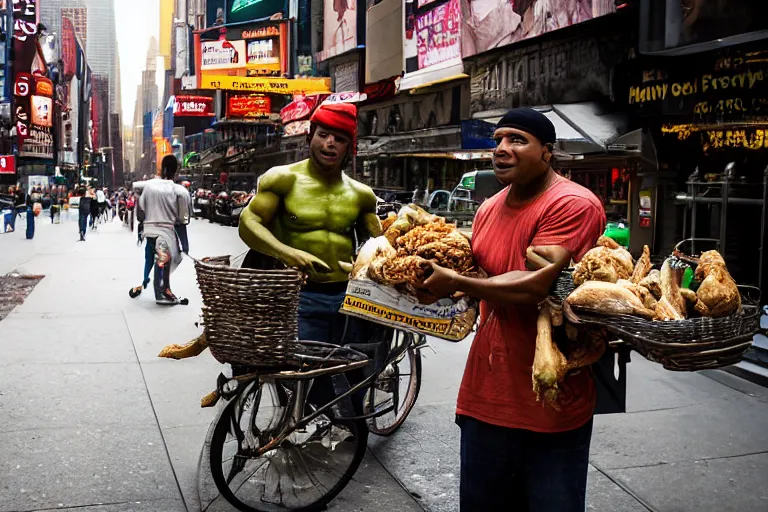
(685, 345)
(250, 316)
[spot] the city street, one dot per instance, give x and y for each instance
(91, 419)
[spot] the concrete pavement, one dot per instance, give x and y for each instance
(91, 419)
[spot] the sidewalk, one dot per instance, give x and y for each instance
(91, 419)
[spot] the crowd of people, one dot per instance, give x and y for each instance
(160, 205)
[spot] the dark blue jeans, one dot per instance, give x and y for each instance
(30, 223)
(181, 232)
(320, 320)
(149, 258)
(505, 469)
(83, 224)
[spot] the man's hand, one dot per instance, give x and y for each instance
(442, 283)
(305, 261)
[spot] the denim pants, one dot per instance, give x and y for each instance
(149, 258)
(30, 223)
(505, 469)
(83, 224)
(181, 232)
(320, 320)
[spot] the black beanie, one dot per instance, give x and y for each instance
(531, 121)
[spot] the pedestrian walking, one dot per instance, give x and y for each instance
(34, 199)
(515, 453)
(84, 210)
(164, 206)
(181, 227)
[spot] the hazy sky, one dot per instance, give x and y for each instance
(136, 21)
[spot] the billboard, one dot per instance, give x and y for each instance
(68, 48)
(263, 51)
(249, 107)
(339, 28)
(7, 164)
(247, 10)
(42, 111)
(489, 24)
(196, 106)
(437, 34)
(222, 54)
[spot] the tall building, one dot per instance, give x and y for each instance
(79, 18)
(146, 101)
(102, 44)
(51, 12)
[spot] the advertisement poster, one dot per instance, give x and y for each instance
(339, 28)
(489, 24)
(437, 34)
(222, 54)
(68, 48)
(42, 111)
(7, 164)
(263, 51)
(196, 106)
(249, 107)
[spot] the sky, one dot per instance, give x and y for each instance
(136, 21)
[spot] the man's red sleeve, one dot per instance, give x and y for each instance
(574, 223)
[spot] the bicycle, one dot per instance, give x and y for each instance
(278, 443)
(298, 455)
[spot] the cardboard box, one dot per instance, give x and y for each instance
(448, 319)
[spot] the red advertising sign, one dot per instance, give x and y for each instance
(300, 108)
(43, 86)
(255, 106)
(68, 48)
(196, 106)
(7, 164)
(437, 34)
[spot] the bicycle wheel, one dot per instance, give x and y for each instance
(398, 387)
(303, 473)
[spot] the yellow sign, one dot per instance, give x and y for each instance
(438, 326)
(267, 85)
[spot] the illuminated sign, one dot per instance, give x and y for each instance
(222, 54)
(197, 106)
(250, 107)
(266, 85)
(42, 111)
(7, 164)
(43, 87)
(270, 31)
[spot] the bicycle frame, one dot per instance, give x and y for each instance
(295, 419)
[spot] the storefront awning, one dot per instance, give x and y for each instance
(586, 129)
(444, 72)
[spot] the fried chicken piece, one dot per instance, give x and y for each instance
(653, 283)
(718, 294)
(671, 306)
(641, 292)
(405, 270)
(603, 264)
(608, 299)
(386, 223)
(642, 267)
(608, 242)
(428, 233)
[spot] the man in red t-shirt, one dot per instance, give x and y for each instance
(516, 453)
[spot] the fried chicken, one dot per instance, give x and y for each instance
(718, 294)
(642, 267)
(603, 264)
(671, 306)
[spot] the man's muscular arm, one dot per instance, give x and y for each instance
(517, 287)
(369, 220)
(273, 186)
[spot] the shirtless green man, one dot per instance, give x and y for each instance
(306, 215)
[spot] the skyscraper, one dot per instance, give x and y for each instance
(102, 44)
(51, 12)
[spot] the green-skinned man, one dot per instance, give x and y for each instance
(308, 215)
